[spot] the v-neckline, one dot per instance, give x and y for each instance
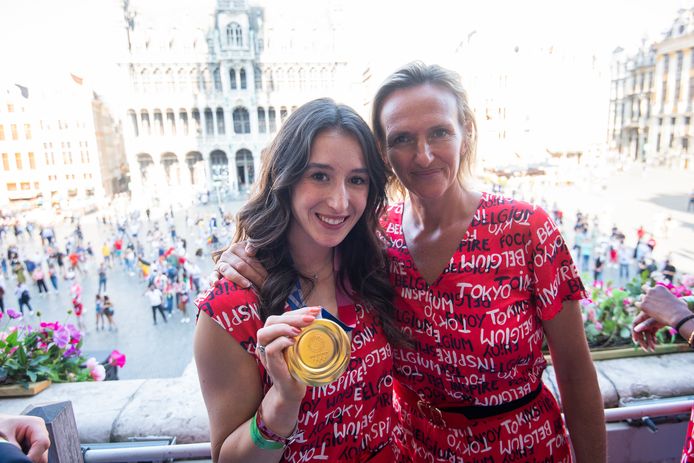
(415, 267)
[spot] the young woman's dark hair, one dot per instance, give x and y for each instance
(264, 220)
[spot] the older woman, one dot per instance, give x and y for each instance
(480, 282)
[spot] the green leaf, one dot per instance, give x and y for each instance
(12, 338)
(32, 376)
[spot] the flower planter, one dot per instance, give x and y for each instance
(621, 352)
(17, 390)
(610, 353)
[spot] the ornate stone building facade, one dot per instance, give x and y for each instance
(652, 98)
(203, 102)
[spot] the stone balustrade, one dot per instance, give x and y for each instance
(115, 410)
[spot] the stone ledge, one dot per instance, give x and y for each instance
(116, 410)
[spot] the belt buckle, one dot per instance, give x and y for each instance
(431, 413)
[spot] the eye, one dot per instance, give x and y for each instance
(357, 180)
(319, 176)
(440, 133)
(399, 140)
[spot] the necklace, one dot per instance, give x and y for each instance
(321, 273)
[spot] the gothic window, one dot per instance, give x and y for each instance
(144, 116)
(258, 77)
(196, 121)
(183, 116)
(209, 123)
(170, 122)
(220, 121)
(269, 80)
(271, 119)
(232, 78)
(242, 78)
(262, 127)
(242, 123)
(217, 80)
(133, 122)
(158, 122)
(234, 35)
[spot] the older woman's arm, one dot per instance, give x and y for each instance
(578, 384)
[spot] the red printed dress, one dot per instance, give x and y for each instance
(688, 451)
(348, 420)
(478, 335)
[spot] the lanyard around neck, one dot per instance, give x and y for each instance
(345, 307)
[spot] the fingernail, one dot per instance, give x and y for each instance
(247, 284)
(296, 331)
(309, 318)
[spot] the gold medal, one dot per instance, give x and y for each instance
(320, 354)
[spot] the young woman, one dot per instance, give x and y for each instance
(480, 281)
(312, 219)
(109, 312)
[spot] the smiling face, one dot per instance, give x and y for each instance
(424, 139)
(332, 193)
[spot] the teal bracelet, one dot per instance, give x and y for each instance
(261, 442)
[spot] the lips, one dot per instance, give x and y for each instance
(427, 172)
(334, 221)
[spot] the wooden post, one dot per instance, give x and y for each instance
(62, 430)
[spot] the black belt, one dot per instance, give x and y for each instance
(456, 416)
(475, 412)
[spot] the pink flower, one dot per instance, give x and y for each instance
(598, 326)
(61, 337)
(50, 325)
(91, 363)
(98, 373)
(2, 314)
(12, 351)
(75, 334)
(117, 359)
(13, 314)
(71, 352)
(591, 314)
(673, 332)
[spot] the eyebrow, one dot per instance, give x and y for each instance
(315, 165)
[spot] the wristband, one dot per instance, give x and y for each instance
(683, 321)
(269, 433)
(260, 441)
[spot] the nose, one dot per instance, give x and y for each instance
(423, 156)
(338, 198)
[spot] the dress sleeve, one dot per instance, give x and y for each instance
(556, 278)
(233, 308)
